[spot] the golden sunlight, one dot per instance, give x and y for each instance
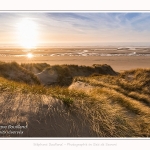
(29, 55)
(27, 30)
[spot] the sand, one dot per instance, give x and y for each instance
(118, 63)
(81, 86)
(129, 58)
(42, 116)
(50, 117)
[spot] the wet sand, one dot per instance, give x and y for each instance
(82, 56)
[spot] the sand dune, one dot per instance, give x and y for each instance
(49, 118)
(48, 76)
(14, 71)
(64, 74)
(96, 102)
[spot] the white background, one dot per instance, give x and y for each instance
(74, 5)
(75, 144)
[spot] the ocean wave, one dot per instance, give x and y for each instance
(85, 54)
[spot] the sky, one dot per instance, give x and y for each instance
(44, 28)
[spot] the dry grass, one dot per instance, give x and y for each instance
(46, 111)
(13, 71)
(96, 106)
(35, 67)
(124, 99)
(66, 73)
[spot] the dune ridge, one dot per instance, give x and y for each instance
(86, 101)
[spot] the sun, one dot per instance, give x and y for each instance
(27, 32)
(29, 55)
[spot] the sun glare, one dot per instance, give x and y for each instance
(27, 30)
(29, 55)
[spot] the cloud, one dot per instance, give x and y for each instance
(79, 26)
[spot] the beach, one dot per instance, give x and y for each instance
(119, 60)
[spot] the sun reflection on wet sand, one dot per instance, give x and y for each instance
(30, 55)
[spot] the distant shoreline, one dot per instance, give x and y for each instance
(119, 59)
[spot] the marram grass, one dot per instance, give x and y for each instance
(115, 106)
